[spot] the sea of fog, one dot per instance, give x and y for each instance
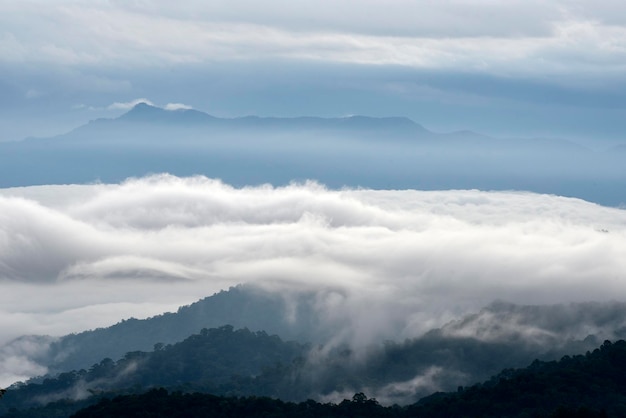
(392, 263)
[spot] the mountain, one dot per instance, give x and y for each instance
(225, 362)
(356, 151)
(192, 127)
(220, 360)
(143, 112)
(241, 306)
(526, 329)
(589, 385)
(462, 352)
(582, 386)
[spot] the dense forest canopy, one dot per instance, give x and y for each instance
(225, 362)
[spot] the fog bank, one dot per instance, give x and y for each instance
(386, 264)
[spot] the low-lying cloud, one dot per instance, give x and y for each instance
(388, 263)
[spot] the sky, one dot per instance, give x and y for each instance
(514, 68)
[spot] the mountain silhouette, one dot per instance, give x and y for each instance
(353, 151)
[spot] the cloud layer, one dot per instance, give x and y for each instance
(77, 257)
(517, 37)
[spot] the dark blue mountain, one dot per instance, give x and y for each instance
(356, 151)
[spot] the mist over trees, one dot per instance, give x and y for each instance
(240, 306)
(589, 385)
(240, 362)
(471, 348)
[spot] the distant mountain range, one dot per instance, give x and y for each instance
(356, 151)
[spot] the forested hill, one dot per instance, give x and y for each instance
(584, 386)
(240, 306)
(219, 360)
(459, 345)
(593, 384)
(228, 362)
(393, 372)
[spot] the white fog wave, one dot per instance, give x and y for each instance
(76, 257)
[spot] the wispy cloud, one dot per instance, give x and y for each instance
(521, 37)
(16, 359)
(132, 103)
(177, 106)
(128, 105)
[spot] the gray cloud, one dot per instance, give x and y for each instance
(398, 17)
(519, 37)
(545, 325)
(18, 359)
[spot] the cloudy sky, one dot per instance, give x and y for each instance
(531, 68)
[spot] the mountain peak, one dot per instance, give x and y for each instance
(144, 105)
(143, 112)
